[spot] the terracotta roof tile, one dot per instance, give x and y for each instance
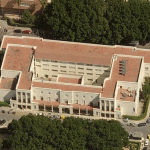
(19, 59)
(67, 87)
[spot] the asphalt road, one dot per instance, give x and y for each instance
(144, 129)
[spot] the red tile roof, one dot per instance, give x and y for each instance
(19, 59)
(8, 83)
(75, 52)
(132, 67)
(81, 53)
(67, 87)
(69, 80)
(127, 97)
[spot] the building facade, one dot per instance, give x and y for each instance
(72, 78)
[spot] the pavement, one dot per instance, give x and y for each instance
(4, 26)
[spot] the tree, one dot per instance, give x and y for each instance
(44, 3)
(27, 17)
(40, 132)
(19, 2)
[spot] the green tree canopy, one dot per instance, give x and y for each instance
(40, 132)
(27, 17)
(97, 21)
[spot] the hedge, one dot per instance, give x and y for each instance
(142, 116)
(138, 144)
(4, 104)
(12, 23)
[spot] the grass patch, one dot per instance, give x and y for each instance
(4, 104)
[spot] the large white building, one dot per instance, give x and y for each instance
(75, 78)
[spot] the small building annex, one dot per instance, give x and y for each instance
(75, 78)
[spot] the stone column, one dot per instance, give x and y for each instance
(86, 111)
(52, 108)
(60, 109)
(71, 110)
(109, 105)
(44, 107)
(79, 111)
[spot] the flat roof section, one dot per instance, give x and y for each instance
(126, 95)
(75, 52)
(132, 72)
(8, 83)
(69, 80)
(67, 87)
(19, 59)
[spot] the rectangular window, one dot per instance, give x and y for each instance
(80, 68)
(45, 64)
(97, 69)
(89, 65)
(63, 66)
(72, 67)
(42, 98)
(146, 68)
(81, 72)
(25, 5)
(53, 61)
(46, 69)
(89, 69)
(54, 66)
(71, 72)
(38, 60)
(63, 71)
(89, 73)
(55, 70)
(90, 79)
(54, 76)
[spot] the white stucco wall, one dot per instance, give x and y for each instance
(6, 95)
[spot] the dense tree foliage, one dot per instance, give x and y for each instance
(40, 132)
(97, 21)
(27, 17)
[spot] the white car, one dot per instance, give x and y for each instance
(146, 142)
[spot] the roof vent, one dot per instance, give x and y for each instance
(122, 67)
(34, 47)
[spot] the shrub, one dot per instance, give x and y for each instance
(4, 104)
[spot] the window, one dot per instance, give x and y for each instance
(19, 93)
(83, 96)
(72, 67)
(80, 68)
(46, 76)
(49, 92)
(54, 76)
(89, 64)
(54, 70)
(34, 97)
(63, 66)
(76, 101)
(97, 70)
(53, 61)
(45, 64)
(71, 72)
(90, 79)
(89, 69)
(146, 68)
(81, 72)
(89, 73)
(41, 92)
(97, 74)
(83, 102)
(63, 71)
(28, 100)
(42, 98)
(46, 69)
(24, 4)
(38, 60)
(54, 66)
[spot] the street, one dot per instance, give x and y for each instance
(145, 130)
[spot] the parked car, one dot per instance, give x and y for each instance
(131, 124)
(141, 124)
(17, 31)
(2, 121)
(26, 31)
(146, 142)
(148, 120)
